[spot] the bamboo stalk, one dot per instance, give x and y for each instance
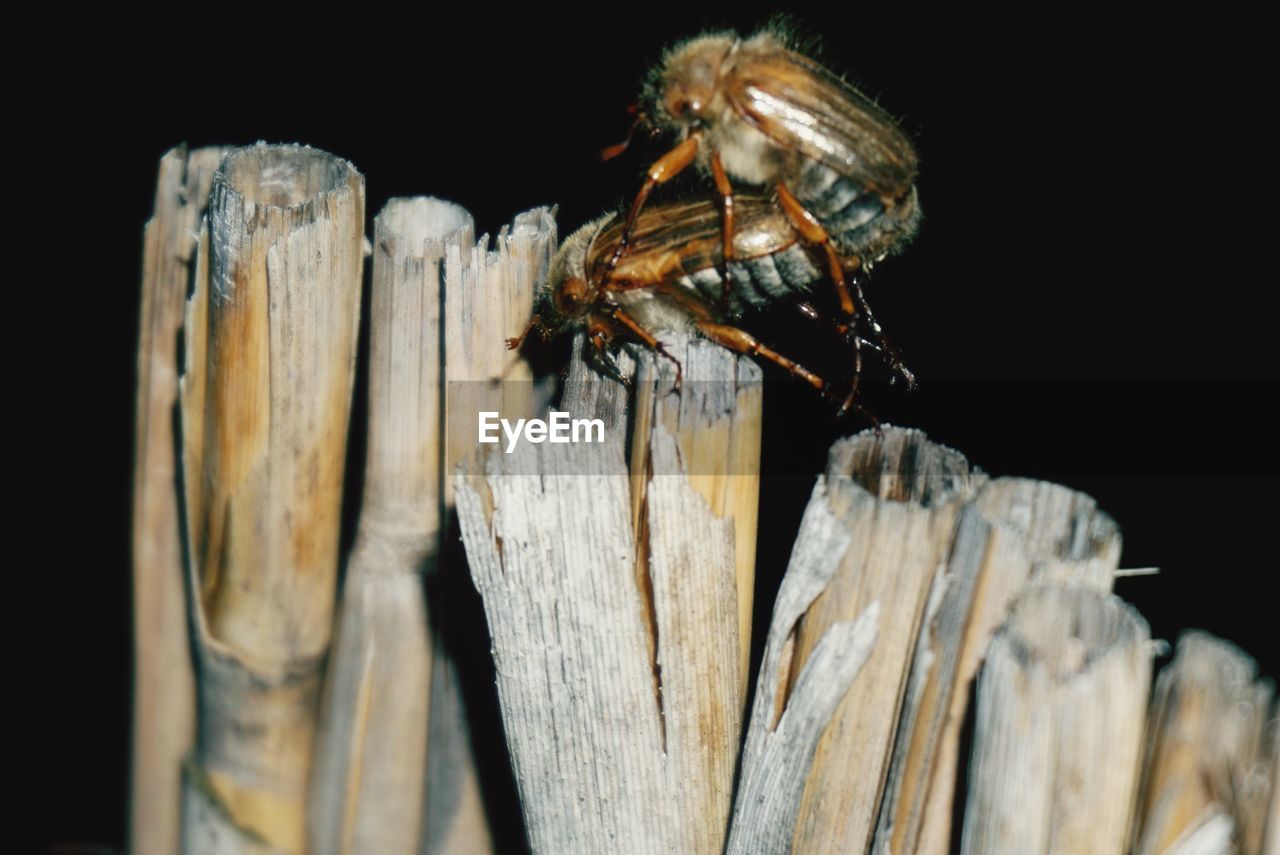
(1271, 834)
(898, 497)
(1207, 766)
(787, 721)
(619, 678)
(1060, 716)
(488, 297)
(716, 426)
(1015, 530)
(369, 777)
(163, 684)
(271, 334)
(694, 464)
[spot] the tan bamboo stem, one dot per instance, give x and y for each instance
(369, 777)
(1207, 766)
(488, 298)
(1014, 531)
(271, 335)
(1059, 723)
(899, 498)
(619, 679)
(163, 685)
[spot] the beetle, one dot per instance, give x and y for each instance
(757, 111)
(672, 279)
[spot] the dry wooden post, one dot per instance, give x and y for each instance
(1014, 531)
(163, 685)
(716, 424)
(371, 749)
(1271, 834)
(618, 663)
(1060, 717)
(488, 298)
(1207, 784)
(898, 497)
(789, 713)
(271, 338)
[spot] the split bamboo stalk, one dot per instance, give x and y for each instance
(1207, 765)
(369, 776)
(789, 715)
(717, 429)
(619, 663)
(1016, 530)
(1271, 834)
(163, 684)
(1060, 716)
(488, 296)
(899, 498)
(271, 337)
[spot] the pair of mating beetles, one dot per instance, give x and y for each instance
(834, 193)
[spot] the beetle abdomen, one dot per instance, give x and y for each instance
(856, 220)
(760, 281)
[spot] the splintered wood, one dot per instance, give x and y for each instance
(614, 610)
(1209, 767)
(164, 688)
(488, 296)
(369, 786)
(371, 748)
(1059, 724)
(899, 496)
(617, 580)
(271, 337)
(1016, 530)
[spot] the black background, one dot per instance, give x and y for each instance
(1087, 300)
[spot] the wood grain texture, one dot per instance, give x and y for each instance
(1271, 834)
(1016, 530)
(614, 615)
(488, 295)
(163, 684)
(488, 298)
(1060, 716)
(898, 496)
(716, 422)
(786, 721)
(271, 337)
(369, 777)
(1208, 766)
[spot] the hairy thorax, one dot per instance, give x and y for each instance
(655, 311)
(746, 153)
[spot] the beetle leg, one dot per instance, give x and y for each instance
(895, 359)
(663, 170)
(812, 232)
(725, 190)
(534, 323)
(600, 334)
(843, 330)
(648, 339)
(741, 341)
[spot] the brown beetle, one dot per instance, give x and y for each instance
(672, 280)
(759, 112)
